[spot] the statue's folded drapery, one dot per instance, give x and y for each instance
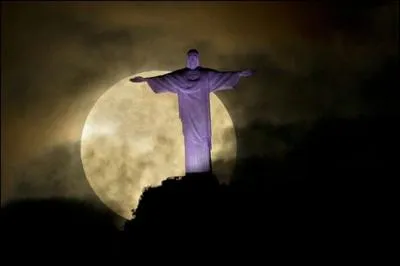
(193, 87)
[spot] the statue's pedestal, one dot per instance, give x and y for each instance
(199, 178)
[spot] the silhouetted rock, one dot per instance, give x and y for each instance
(326, 197)
(178, 204)
(331, 195)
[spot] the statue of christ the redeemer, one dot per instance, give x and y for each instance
(193, 85)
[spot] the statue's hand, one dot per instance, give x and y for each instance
(137, 79)
(246, 73)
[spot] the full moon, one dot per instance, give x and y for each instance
(132, 139)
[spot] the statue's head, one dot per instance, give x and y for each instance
(192, 59)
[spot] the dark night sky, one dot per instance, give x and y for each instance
(312, 61)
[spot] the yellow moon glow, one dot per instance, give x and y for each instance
(132, 139)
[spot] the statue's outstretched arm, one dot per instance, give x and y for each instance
(223, 80)
(138, 79)
(169, 82)
(246, 73)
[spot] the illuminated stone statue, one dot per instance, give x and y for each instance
(193, 85)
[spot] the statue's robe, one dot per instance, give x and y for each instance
(193, 87)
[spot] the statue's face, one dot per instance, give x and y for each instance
(193, 60)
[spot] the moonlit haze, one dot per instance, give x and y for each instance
(133, 139)
(74, 127)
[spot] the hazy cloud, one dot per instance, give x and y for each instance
(312, 60)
